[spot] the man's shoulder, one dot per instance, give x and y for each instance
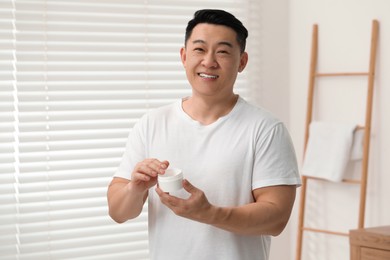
(257, 113)
(163, 110)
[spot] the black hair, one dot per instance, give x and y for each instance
(218, 17)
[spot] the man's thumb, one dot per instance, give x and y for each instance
(188, 186)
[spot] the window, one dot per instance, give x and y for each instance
(75, 76)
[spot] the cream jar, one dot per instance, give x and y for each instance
(171, 180)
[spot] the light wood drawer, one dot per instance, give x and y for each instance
(374, 254)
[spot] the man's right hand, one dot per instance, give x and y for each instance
(126, 198)
(144, 175)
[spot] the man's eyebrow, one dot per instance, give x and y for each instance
(226, 43)
(220, 43)
(199, 41)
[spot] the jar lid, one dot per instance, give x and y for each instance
(171, 174)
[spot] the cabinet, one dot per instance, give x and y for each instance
(370, 243)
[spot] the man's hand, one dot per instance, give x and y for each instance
(144, 175)
(126, 198)
(196, 207)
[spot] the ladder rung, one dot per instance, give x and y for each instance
(342, 74)
(352, 181)
(325, 231)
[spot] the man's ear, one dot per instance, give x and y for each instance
(183, 55)
(243, 61)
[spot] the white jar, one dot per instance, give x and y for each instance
(171, 180)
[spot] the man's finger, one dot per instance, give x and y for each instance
(189, 187)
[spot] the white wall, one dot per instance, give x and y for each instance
(274, 94)
(344, 38)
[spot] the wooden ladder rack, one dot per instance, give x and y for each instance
(366, 139)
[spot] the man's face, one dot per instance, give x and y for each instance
(212, 59)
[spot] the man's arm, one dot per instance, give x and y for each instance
(126, 198)
(268, 215)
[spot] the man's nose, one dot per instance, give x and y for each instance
(209, 61)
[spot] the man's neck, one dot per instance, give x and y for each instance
(207, 110)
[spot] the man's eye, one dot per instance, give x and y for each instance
(223, 52)
(198, 49)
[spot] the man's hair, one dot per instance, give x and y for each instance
(218, 17)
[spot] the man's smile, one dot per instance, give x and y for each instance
(207, 76)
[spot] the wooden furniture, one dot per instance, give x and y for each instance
(362, 181)
(370, 243)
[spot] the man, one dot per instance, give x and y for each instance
(238, 160)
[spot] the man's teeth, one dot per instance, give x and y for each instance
(203, 75)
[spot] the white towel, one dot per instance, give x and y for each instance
(328, 150)
(357, 145)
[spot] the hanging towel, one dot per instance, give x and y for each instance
(357, 145)
(328, 150)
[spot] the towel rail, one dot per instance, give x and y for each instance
(313, 74)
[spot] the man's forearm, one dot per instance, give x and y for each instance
(124, 201)
(258, 218)
(268, 215)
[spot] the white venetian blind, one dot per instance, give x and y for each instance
(75, 76)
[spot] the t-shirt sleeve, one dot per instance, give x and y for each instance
(135, 150)
(275, 160)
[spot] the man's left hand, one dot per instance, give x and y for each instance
(196, 207)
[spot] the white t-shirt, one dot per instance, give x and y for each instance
(242, 151)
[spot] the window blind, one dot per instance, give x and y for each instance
(75, 76)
